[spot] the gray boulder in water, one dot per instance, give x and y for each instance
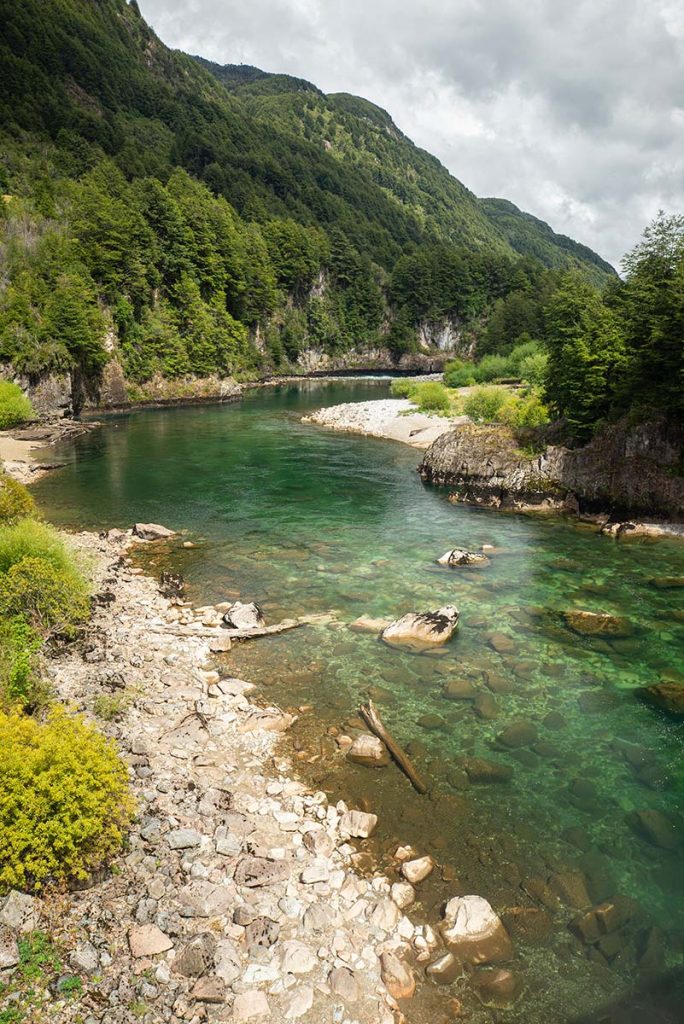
(459, 556)
(423, 629)
(244, 616)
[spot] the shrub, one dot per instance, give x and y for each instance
(64, 801)
(403, 387)
(458, 374)
(526, 411)
(493, 368)
(15, 407)
(483, 405)
(430, 396)
(521, 352)
(30, 539)
(533, 369)
(15, 501)
(19, 680)
(52, 600)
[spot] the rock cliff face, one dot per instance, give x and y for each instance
(624, 470)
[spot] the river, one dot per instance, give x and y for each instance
(303, 520)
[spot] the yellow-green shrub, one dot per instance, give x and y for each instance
(64, 800)
(524, 411)
(31, 539)
(15, 501)
(15, 407)
(52, 600)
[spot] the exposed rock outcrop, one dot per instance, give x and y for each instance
(423, 629)
(625, 469)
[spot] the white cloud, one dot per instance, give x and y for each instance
(573, 111)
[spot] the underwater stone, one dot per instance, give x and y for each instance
(666, 696)
(598, 624)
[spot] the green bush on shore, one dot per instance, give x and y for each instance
(15, 407)
(483, 405)
(64, 801)
(31, 539)
(526, 362)
(53, 601)
(15, 501)
(428, 395)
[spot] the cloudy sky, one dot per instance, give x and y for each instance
(573, 109)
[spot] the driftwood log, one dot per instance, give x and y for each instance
(370, 715)
(232, 634)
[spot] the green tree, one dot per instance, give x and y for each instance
(650, 305)
(586, 355)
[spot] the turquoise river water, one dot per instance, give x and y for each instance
(304, 520)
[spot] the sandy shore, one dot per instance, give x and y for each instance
(19, 447)
(393, 418)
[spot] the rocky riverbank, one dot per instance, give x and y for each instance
(238, 897)
(395, 419)
(624, 471)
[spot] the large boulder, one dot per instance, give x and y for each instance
(244, 616)
(666, 696)
(421, 630)
(474, 932)
(152, 531)
(598, 624)
(459, 556)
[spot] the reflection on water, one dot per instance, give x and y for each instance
(303, 520)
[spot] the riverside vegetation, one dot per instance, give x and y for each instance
(184, 219)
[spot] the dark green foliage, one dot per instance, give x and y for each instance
(586, 355)
(183, 207)
(623, 351)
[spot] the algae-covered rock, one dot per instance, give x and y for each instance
(597, 624)
(667, 696)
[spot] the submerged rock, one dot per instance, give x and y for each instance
(497, 988)
(423, 629)
(369, 750)
(481, 770)
(667, 696)
(474, 932)
(656, 828)
(517, 734)
(598, 624)
(459, 689)
(367, 624)
(461, 557)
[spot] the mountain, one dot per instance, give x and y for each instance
(185, 218)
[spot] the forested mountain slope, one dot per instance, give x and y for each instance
(190, 219)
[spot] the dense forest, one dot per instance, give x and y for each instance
(190, 219)
(205, 220)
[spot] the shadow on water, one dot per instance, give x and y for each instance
(655, 1001)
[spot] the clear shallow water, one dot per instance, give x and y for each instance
(303, 520)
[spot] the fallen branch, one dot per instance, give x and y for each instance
(372, 719)
(232, 634)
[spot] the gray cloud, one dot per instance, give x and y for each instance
(573, 111)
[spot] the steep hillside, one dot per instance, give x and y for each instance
(181, 218)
